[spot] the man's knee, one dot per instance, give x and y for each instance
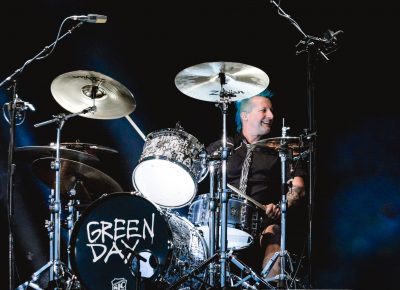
(270, 235)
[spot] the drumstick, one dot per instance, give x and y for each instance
(136, 127)
(246, 196)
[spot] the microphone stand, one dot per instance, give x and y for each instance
(13, 111)
(38, 56)
(315, 48)
(10, 185)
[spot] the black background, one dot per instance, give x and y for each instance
(144, 44)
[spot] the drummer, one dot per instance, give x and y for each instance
(255, 170)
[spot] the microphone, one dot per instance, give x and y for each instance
(91, 18)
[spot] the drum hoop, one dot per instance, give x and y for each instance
(232, 197)
(172, 161)
(180, 132)
(166, 159)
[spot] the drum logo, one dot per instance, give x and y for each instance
(119, 284)
(119, 237)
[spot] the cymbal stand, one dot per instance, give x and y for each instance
(213, 217)
(282, 254)
(225, 98)
(213, 236)
(221, 255)
(57, 269)
(73, 214)
(223, 104)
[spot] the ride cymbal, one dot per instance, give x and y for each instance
(78, 90)
(206, 81)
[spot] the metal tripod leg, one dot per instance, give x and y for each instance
(250, 275)
(282, 277)
(269, 265)
(194, 272)
(35, 276)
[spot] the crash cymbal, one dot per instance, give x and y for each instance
(89, 182)
(277, 142)
(78, 90)
(203, 81)
(30, 153)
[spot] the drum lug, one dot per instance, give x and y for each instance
(170, 244)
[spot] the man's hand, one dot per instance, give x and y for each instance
(296, 190)
(273, 211)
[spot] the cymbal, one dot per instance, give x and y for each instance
(277, 142)
(87, 147)
(78, 90)
(203, 81)
(90, 183)
(29, 153)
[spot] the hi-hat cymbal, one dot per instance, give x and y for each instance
(278, 142)
(90, 183)
(78, 90)
(239, 81)
(30, 153)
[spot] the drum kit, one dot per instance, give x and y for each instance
(135, 240)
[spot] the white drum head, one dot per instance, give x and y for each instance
(237, 239)
(165, 183)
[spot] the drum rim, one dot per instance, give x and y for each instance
(245, 246)
(78, 223)
(201, 178)
(182, 132)
(231, 197)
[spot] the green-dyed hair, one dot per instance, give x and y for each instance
(245, 106)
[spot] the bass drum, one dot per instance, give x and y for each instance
(120, 229)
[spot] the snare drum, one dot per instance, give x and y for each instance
(242, 220)
(119, 229)
(169, 168)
